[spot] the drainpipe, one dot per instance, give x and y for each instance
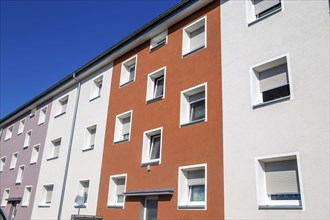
(70, 147)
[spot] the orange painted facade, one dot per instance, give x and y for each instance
(181, 146)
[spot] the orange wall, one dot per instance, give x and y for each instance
(194, 144)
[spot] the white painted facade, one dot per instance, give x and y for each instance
(83, 165)
(298, 125)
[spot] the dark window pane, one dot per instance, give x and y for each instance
(155, 147)
(277, 93)
(197, 110)
(151, 209)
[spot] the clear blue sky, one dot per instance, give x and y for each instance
(44, 41)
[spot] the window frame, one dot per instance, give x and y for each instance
(21, 126)
(125, 73)
(13, 165)
(147, 145)
(96, 89)
(52, 148)
(44, 193)
(112, 193)
(151, 84)
(59, 105)
(2, 163)
(5, 196)
(42, 115)
(34, 158)
(9, 135)
(88, 137)
(27, 139)
(157, 41)
(25, 201)
(186, 39)
(81, 188)
(251, 17)
(118, 136)
(20, 174)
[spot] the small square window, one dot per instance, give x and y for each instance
(123, 127)
(278, 182)
(158, 41)
(192, 187)
(117, 188)
(194, 37)
(270, 82)
(89, 141)
(27, 139)
(42, 116)
(9, 132)
(82, 194)
(26, 196)
(258, 9)
(193, 105)
(128, 71)
(13, 161)
(21, 126)
(54, 150)
(20, 174)
(152, 146)
(35, 154)
(46, 196)
(96, 88)
(2, 163)
(62, 105)
(156, 85)
(5, 196)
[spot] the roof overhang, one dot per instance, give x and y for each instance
(150, 192)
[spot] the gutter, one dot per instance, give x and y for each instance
(70, 147)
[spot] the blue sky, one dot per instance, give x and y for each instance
(44, 41)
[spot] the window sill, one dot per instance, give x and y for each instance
(24, 206)
(271, 102)
(192, 207)
(116, 206)
(120, 141)
(44, 205)
(25, 147)
(11, 168)
(19, 183)
(52, 158)
(87, 149)
(126, 83)
(156, 47)
(19, 133)
(80, 206)
(32, 163)
(96, 97)
(41, 123)
(154, 99)
(263, 207)
(7, 139)
(155, 162)
(58, 115)
(192, 122)
(193, 51)
(263, 17)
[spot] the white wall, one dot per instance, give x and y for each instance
(300, 124)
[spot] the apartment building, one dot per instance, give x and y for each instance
(163, 145)
(22, 144)
(275, 72)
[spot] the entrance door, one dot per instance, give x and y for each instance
(150, 208)
(13, 210)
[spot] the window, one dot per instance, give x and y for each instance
(42, 115)
(62, 105)
(152, 144)
(35, 154)
(82, 194)
(13, 161)
(20, 174)
(96, 88)
(156, 85)
(21, 126)
(150, 208)
(55, 148)
(117, 188)
(33, 112)
(89, 140)
(46, 196)
(2, 163)
(128, 71)
(193, 105)
(192, 187)
(278, 182)
(123, 127)
(9, 132)
(270, 82)
(26, 196)
(194, 37)
(27, 139)
(5, 196)
(258, 9)
(158, 41)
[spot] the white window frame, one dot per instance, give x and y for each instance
(118, 137)
(151, 84)
(263, 201)
(21, 126)
(112, 197)
(183, 188)
(26, 196)
(159, 40)
(52, 148)
(81, 190)
(60, 110)
(147, 138)
(42, 115)
(186, 39)
(185, 104)
(2, 163)
(20, 174)
(124, 72)
(44, 193)
(5, 196)
(27, 139)
(13, 161)
(9, 132)
(96, 88)
(87, 138)
(35, 154)
(251, 18)
(256, 94)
